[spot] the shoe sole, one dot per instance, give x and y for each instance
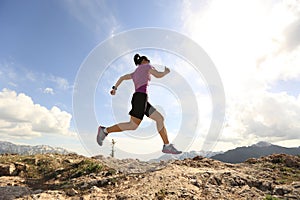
(99, 141)
(170, 152)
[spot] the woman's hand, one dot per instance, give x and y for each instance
(158, 74)
(167, 70)
(113, 92)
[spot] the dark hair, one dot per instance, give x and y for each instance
(138, 59)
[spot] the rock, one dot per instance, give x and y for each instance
(121, 197)
(47, 195)
(72, 192)
(8, 170)
(290, 162)
(103, 182)
(296, 184)
(198, 158)
(261, 185)
(13, 192)
(251, 161)
(95, 189)
(85, 185)
(68, 161)
(20, 167)
(237, 181)
(214, 180)
(196, 182)
(37, 191)
(287, 160)
(49, 177)
(282, 190)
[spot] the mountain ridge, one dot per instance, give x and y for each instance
(241, 154)
(11, 148)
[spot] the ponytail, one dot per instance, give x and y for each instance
(137, 59)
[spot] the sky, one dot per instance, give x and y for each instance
(254, 46)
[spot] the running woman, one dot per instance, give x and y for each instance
(140, 104)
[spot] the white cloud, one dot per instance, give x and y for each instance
(237, 34)
(12, 84)
(272, 116)
(15, 75)
(48, 91)
(254, 44)
(21, 117)
(283, 66)
(60, 82)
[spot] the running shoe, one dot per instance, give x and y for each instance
(170, 149)
(101, 135)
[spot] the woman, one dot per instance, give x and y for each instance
(140, 104)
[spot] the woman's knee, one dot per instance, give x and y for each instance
(157, 117)
(133, 125)
(160, 118)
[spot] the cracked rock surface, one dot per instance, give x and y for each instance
(54, 176)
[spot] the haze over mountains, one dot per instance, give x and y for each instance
(237, 155)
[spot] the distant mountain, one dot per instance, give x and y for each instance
(184, 155)
(7, 147)
(241, 154)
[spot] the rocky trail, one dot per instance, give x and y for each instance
(53, 176)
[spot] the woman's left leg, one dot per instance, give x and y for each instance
(131, 125)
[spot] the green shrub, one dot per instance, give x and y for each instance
(269, 197)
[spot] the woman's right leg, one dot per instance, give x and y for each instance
(131, 125)
(159, 119)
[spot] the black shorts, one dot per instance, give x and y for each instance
(140, 106)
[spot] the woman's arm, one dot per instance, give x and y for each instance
(158, 74)
(121, 79)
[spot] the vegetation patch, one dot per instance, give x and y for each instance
(40, 169)
(269, 197)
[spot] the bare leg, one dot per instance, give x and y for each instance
(159, 119)
(131, 125)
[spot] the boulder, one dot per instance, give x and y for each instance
(8, 170)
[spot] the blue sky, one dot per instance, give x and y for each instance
(254, 45)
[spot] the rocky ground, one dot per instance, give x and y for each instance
(75, 177)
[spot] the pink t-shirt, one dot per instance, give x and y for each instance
(141, 77)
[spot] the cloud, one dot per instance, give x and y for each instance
(15, 75)
(292, 33)
(60, 82)
(236, 38)
(275, 116)
(20, 117)
(253, 44)
(95, 15)
(281, 66)
(48, 91)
